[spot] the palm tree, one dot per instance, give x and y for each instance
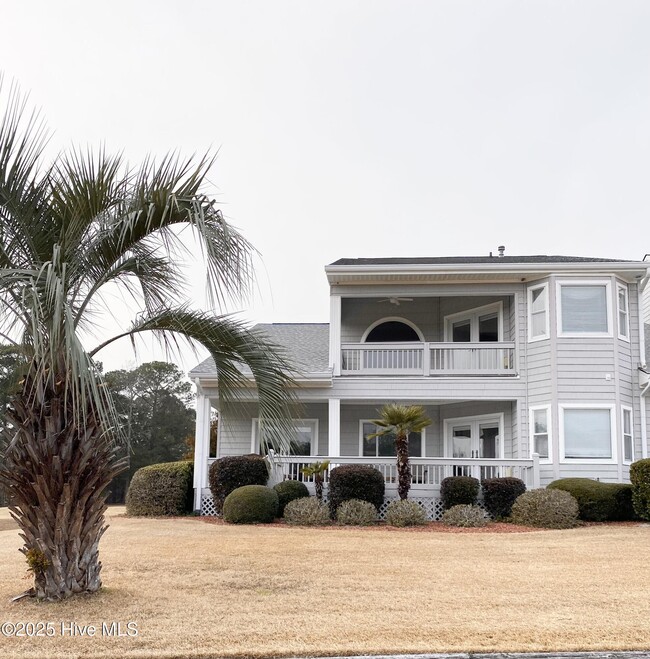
(74, 235)
(400, 421)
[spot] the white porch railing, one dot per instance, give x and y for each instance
(427, 473)
(428, 358)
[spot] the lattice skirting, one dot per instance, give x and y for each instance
(432, 506)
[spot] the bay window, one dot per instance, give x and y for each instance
(583, 309)
(587, 433)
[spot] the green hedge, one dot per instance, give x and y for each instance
(251, 504)
(640, 477)
(161, 489)
(289, 491)
(598, 502)
(500, 493)
(355, 482)
(457, 490)
(227, 474)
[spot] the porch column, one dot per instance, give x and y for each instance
(335, 334)
(334, 436)
(201, 445)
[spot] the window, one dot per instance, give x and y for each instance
(475, 325)
(584, 309)
(623, 313)
(538, 326)
(540, 433)
(304, 441)
(587, 433)
(384, 446)
(388, 330)
(628, 435)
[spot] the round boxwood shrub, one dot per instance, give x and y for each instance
(640, 477)
(161, 489)
(465, 516)
(307, 511)
(405, 513)
(500, 493)
(227, 474)
(355, 482)
(598, 502)
(549, 509)
(251, 504)
(289, 491)
(356, 513)
(455, 490)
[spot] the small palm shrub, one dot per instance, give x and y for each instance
(355, 482)
(229, 473)
(500, 493)
(405, 513)
(465, 516)
(549, 509)
(356, 513)
(598, 502)
(251, 504)
(307, 511)
(161, 489)
(640, 477)
(289, 491)
(455, 490)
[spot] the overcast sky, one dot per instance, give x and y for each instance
(371, 128)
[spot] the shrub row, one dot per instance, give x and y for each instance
(598, 502)
(498, 493)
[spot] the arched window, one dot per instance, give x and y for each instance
(391, 330)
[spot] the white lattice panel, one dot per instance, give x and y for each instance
(207, 506)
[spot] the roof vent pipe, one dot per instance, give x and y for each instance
(502, 249)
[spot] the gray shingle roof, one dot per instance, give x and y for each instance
(442, 260)
(306, 345)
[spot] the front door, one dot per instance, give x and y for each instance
(475, 438)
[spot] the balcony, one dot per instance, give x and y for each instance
(428, 359)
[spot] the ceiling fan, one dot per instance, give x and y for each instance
(396, 300)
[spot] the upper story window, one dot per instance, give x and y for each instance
(390, 330)
(584, 308)
(623, 312)
(538, 325)
(475, 325)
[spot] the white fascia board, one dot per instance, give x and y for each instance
(311, 379)
(545, 269)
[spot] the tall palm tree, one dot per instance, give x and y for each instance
(74, 235)
(401, 421)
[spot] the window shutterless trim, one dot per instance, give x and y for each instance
(608, 306)
(612, 433)
(547, 323)
(626, 311)
(362, 421)
(626, 409)
(531, 426)
(473, 316)
(255, 438)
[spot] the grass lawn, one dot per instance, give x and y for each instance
(197, 589)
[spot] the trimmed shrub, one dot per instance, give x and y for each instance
(640, 477)
(405, 513)
(307, 511)
(251, 504)
(227, 474)
(161, 489)
(355, 482)
(465, 516)
(500, 493)
(289, 491)
(598, 502)
(549, 509)
(455, 490)
(356, 513)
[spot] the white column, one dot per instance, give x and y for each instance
(335, 334)
(334, 436)
(201, 446)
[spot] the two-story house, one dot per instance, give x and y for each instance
(528, 366)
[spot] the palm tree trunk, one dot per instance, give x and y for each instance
(403, 466)
(56, 469)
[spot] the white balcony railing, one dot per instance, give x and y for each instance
(428, 358)
(427, 473)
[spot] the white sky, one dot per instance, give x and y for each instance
(371, 128)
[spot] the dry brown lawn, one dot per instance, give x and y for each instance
(207, 590)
